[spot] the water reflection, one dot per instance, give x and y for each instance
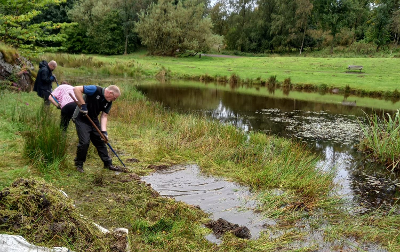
(331, 129)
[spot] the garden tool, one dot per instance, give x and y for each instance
(97, 129)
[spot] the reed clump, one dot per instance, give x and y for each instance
(381, 138)
(72, 61)
(45, 142)
(234, 81)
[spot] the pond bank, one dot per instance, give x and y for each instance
(145, 131)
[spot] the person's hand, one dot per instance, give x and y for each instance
(83, 109)
(52, 78)
(58, 106)
(105, 134)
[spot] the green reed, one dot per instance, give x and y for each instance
(381, 138)
(45, 142)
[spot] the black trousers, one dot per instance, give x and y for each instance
(45, 95)
(86, 134)
(66, 114)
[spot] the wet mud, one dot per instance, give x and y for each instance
(231, 206)
(221, 226)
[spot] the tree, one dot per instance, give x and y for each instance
(128, 12)
(262, 34)
(17, 29)
(290, 23)
(302, 14)
(332, 15)
(241, 35)
(396, 25)
(219, 17)
(170, 28)
(109, 24)
(379, 25)
(55, 13)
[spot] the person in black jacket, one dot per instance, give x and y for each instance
(44, 79)
(97, 100)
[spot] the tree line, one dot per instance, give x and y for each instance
(187, 27)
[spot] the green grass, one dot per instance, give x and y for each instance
(379, 74)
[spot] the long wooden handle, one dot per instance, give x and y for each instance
(87, 116)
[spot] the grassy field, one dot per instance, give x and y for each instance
(379, 78)
(379, 74)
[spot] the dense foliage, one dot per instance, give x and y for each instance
(22, 25)
(165, 26)
(168, 28)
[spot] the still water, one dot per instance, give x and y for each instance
(328, 124)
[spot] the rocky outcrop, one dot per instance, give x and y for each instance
(17, 76)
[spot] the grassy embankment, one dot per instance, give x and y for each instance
(378, 75)
(145, 131)
(379, 78)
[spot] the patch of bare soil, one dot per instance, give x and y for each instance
(221, 226)
(158, 167)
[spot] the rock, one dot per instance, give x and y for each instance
(19, 74)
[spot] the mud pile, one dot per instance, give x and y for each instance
(45, 216)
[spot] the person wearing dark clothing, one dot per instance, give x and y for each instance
(44, 79)
(98, 100)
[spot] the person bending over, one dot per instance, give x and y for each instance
(62, 100)
(97, 100)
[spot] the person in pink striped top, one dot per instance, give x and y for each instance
(62, 100)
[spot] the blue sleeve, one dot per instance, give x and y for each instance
(89, 90)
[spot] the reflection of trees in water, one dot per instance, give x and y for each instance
(183, 98)
(374, 186)
(371, 185)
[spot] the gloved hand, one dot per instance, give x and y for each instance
(52, 78)
(83, 109)
(105, 134)
(58, 106)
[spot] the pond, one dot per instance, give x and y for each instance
(328, 123)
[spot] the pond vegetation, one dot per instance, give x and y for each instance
(382, 139)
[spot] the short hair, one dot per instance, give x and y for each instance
(114, 89)
(53, 63)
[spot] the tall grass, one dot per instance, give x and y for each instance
(91, 64)
(382, 138)
(10, 54)
(251, 158)
(45, 142)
